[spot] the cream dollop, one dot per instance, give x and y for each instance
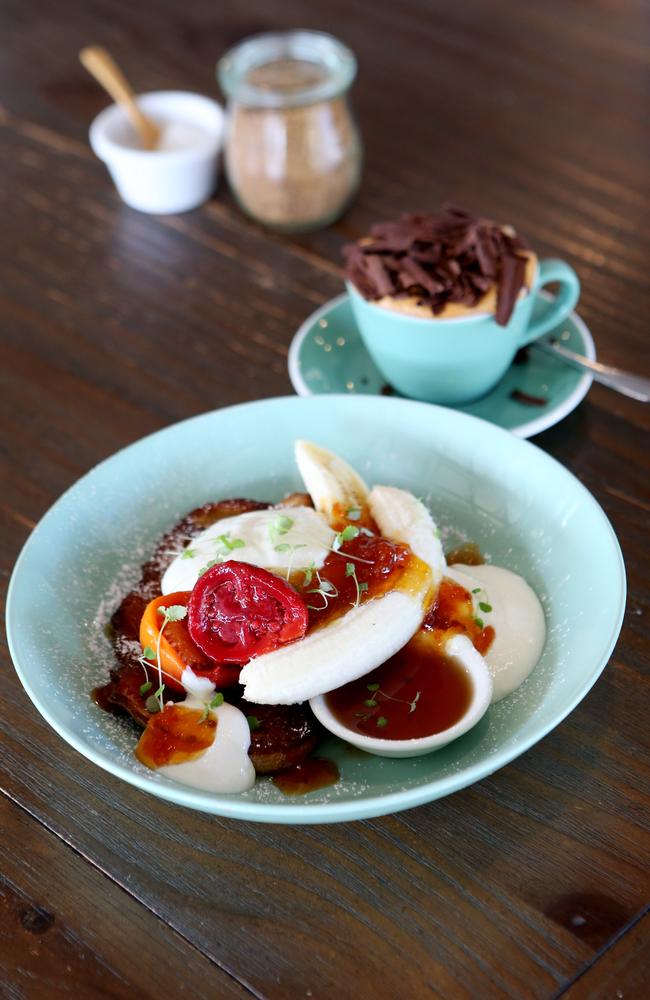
(225, 765)
(275, 539)
(517, 618)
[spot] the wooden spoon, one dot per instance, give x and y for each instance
(103, 67)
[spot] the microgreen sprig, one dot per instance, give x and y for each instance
(215, 702)
(346, 535)
(291, 549)
(483, 606)
(148, 654)
(174, 613)
(148, 659)
(227, 543)
(279, 527)
(351, 570)
(225, 546)
(325, 589)
(375, 692)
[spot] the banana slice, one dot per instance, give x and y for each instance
(403, 518)
(329, 480)
(347, 648)
(365, 636)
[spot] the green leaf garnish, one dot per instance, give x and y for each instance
(309, 574)
(152, 704)
(174, 613)
(484, 606)
(188, 554)
(372, 687)
(280, 526)
(370, 703)
(209, 565)
(147, 686)
(382, 722)
(477, 590)
(149, 653)
(351, 570)
(325, 589)
(253, 722)
(227, 543)
(282, 547)
(479, 622)
(214, 703)
(349, 532)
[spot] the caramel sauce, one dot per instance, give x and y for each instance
(452, 613)
(379, 566)
(417, 692)
(469, 554)
(340, 517)
(312, 774)
(175, 735)
(102, 696)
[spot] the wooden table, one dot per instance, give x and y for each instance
(530, 884)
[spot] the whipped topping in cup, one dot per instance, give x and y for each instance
(443, 265)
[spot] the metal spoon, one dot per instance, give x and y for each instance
(636, 386)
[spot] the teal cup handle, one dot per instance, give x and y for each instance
(563, 304)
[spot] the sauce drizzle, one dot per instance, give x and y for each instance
(468, 553)
(452, 613)
(175, 735)
(309, 776)
(378, 565)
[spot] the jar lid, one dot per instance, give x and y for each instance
(286, 69)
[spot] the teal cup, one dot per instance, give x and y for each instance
(456, 360)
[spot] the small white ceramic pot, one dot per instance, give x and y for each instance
(458, 648)
(167, 180)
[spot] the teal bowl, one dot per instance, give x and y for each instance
(523, 508)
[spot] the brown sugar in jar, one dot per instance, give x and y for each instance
(293, 153)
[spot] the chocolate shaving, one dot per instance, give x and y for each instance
(511, 279)
(527, 399)
(449, 257)
(379, 275)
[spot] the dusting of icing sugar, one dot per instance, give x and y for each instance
(360, 777)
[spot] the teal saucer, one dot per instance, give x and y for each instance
(327, 355)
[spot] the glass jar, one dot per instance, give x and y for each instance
(293, 152)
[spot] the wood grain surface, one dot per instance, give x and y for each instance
(532, 883)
